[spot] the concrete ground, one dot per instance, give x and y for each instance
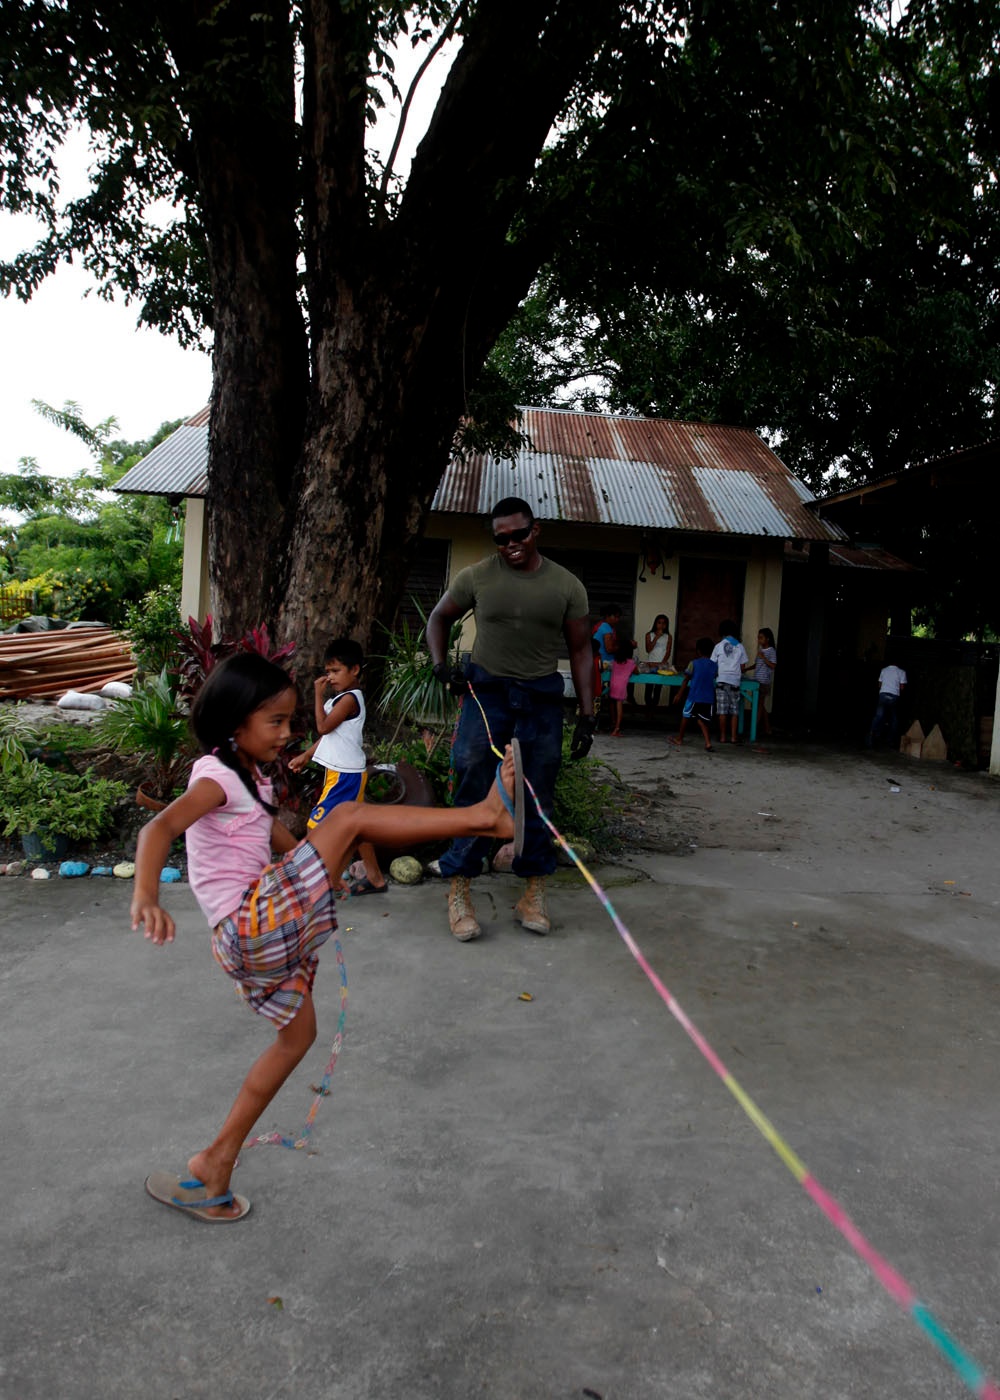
(544, 1199)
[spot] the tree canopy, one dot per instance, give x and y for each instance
(818, 258)
(715, 196)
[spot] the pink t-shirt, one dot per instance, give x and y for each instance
(620, 673)
(228, 847)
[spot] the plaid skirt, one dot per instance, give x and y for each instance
(269, 946)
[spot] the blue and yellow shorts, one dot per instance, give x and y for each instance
(337, 788)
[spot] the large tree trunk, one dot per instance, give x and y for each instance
(404, 312)
(320, 474)
(245, 144)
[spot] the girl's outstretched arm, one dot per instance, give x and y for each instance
(153, 848)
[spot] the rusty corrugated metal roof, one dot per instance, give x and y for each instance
(590, 468)
(647, 473)
(856, 557)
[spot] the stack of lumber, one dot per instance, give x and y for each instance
(44, 665)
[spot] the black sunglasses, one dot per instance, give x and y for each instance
(512, 536)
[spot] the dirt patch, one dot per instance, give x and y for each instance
(844, 817)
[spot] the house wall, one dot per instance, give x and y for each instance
(195, 597)
(762, 598)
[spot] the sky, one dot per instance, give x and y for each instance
(65, 345)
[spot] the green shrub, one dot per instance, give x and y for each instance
(36, 799)
(584, 796)
(152, 626)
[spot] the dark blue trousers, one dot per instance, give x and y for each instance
(531, 712)
(886, 717)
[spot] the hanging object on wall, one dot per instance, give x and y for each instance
(654, 554)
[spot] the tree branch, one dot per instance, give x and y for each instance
(442, 39)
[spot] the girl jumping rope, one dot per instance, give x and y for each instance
(270, 916)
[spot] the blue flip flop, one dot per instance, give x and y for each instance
(515, 808)
(191, 1197)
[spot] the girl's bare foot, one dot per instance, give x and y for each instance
(214, 1174)
(500, 821)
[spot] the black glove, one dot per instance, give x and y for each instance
(451, 676)
(583, 736)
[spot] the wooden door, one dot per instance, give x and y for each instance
(709, 591)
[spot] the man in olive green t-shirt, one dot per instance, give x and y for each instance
(529, 611)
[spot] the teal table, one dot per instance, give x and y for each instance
(749, 691)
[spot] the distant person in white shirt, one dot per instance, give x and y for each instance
(891, 684)
(730, 657)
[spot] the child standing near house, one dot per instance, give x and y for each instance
(339, 717)
(891, 684)
(270, 916)
(730, 657)
(659, 645)
(699, 688)
(764, 666)
(621, 669)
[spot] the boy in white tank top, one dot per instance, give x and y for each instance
(339, 716)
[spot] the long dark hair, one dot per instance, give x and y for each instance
(235, 688)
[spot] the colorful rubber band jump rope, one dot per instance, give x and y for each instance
(895, 1285)
(323, 1088)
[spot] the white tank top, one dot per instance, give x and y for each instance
(342, 749)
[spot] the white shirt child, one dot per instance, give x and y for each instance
(891, 681)
(730, 657)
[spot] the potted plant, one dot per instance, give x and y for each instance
(149, 726)
(48, 809)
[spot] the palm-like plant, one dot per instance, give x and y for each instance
(410, 690)
(149, 726)
(18, 736)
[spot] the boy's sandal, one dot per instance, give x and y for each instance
(365, 886)
(515, 808)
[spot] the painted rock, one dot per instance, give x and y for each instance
(40, 874)
(406, 870)
(16, 867)
(125, 870)
(73, 869)
(100, 870)
(583, 848)
(169, 875)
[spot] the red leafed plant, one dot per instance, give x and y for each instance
(200, 652)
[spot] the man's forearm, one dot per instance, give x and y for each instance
(582, 671)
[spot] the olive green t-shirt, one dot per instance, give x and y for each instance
(520, 616)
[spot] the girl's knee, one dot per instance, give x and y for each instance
(300, 1034)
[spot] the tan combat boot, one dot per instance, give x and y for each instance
(461, 914)
(530, 908)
